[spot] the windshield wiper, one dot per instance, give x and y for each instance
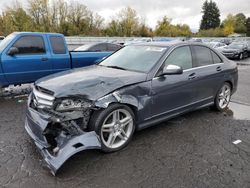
(116, 67)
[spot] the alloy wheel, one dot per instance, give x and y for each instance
(117, 128)
(224, 96)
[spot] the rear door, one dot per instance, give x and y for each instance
(209, 70)
(174, 93)
(30, 63)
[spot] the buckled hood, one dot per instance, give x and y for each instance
(92, 82)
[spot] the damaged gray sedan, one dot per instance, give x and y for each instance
(101, 106)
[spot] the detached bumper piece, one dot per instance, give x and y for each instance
(56, 145)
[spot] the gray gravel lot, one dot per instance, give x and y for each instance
(194, 150)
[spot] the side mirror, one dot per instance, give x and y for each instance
(172, 69)
(12, 51)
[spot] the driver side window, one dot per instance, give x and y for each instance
(181, 57)
(29, 45)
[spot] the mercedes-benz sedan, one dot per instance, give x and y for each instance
(101, 106)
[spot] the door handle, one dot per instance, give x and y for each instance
(44, 59)
(192, 76)
(218, 68)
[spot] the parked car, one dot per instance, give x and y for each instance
(99, 47)
(248, 47)
(138, 40)
(26, 57)
(195, 40)
(236, 50)
(226, 41)
(100, 106)
(216, 44)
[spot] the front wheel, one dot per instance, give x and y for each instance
(223, 97)
(115, 126)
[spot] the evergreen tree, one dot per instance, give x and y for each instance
(248, 26)
(211, 15)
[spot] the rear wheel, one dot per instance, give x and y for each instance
(115, 126)
(223, 97)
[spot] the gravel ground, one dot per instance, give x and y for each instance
(194, 150)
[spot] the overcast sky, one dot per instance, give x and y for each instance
(181, 11)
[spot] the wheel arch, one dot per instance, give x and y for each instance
(230, 83)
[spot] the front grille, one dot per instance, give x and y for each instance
(41, 99)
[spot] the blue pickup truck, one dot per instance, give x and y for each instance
(28, 56)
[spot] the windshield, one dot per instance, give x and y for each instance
(6, 41)
(135, 58)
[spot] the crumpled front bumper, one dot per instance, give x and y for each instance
(35, 125)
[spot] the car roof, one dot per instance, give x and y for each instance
(37, 33)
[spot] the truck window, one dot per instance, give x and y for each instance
(58, 45)
(30, 45)
(113, 47)
(101, 47)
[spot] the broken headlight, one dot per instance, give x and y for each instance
(71, 104)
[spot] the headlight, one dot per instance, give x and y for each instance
(71, 104)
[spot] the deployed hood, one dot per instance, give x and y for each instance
(92, 82)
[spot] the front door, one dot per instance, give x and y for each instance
(30, 63)
(171, 93)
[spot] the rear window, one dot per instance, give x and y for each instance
(58, 45)
(216, 58)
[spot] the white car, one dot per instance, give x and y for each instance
(216, 45)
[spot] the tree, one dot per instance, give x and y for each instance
(248, 26)
(113, 28)
(165, 28)
(217, 32)
(211, 15)
(229, 25)
(128, 21)
(14, 19)
(144, 31)
(39, 11)
(240, 23)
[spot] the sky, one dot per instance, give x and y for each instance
(180, 11)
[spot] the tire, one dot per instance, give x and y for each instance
(114, 134)
(223, 97)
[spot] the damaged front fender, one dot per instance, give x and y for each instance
(116, 97)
